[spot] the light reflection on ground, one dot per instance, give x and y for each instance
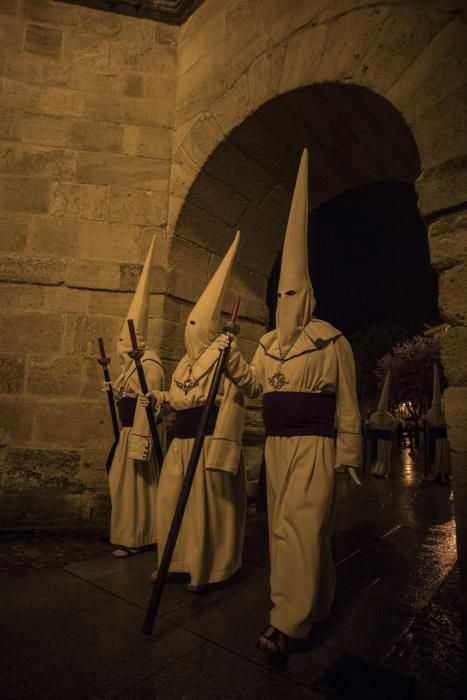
(403, 526)
(409, 474)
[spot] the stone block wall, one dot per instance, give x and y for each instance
(87, 115)
(116, 128)
(448, 246)
(240, 64)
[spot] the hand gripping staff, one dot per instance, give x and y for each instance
(156, 595)
(136, 355)
(104, 361)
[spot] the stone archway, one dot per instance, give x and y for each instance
(236, 65)
(354, 137)
(234, 60)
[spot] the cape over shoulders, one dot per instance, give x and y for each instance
(200, 366)
(151, 356)
(316, 335)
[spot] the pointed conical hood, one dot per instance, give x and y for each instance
(436, 400)
(296, 300)
(139, 308)
(384, 398)
(203, 322)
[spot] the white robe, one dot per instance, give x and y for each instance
(133, 483)
(210, 542)
(441, 465)
(301, 486)
(383, 420)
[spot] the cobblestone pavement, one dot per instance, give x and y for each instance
(71, 615)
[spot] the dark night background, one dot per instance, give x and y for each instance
(370, 268)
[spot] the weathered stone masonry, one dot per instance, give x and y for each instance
(114, 128)
(85, 152)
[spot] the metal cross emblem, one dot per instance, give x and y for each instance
(186, 386)
(278, 380)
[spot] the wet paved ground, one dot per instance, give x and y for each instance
(70, 615)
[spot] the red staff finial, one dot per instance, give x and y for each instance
(131, 328)
(101, 348)
(235, 310)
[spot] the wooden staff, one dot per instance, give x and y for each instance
(136, 354)
(104, 361)
(164, 566)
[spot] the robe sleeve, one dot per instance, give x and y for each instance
(226, 443)
(163, 402)
(349, 437)
(139, 444)
(245, 376)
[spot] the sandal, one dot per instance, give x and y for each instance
(275, 644)
(124, 552)
(197, 589)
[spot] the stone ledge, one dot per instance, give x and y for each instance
(168, 11)
(34, 509)
(32, 270)
(89, 274)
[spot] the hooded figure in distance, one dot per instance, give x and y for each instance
(305, 371)
(382, 426)
(133, 475)
(439, 457)
(210, 542)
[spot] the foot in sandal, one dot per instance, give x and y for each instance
(274, 643)
(124, 552)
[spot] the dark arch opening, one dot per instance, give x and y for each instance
(354, 136)
(363, 163)
(370, 267)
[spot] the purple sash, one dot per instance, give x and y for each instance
(187, 421)
(126, 411)
(289, 413)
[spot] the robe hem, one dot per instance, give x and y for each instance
(138, 542)
(215, 577)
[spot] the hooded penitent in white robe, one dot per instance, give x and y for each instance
(133, 475)
(439, 457)
(210, 542)
(133, 481)
(310, 357)
(383, 426)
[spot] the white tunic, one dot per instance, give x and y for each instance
(133, 483)
(301, 487)
(383, 420)
(210, 542)
(441, 465)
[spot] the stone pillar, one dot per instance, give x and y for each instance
(441, 198)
